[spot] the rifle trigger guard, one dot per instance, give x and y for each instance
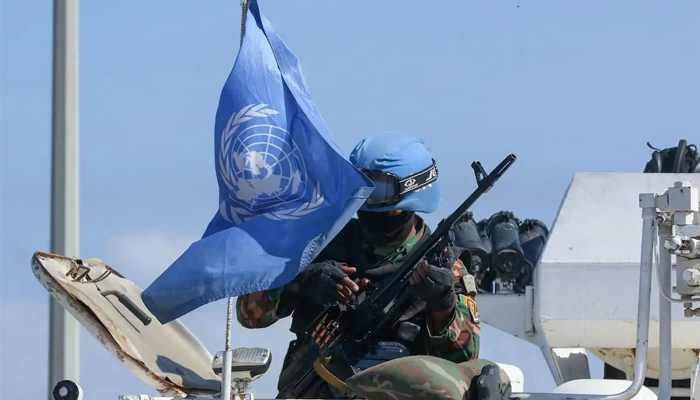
(326, 375)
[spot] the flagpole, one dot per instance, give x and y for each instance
(64, 330)
(228, 352)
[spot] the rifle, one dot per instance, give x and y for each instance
(343, 335)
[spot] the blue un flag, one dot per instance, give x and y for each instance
(285, 189)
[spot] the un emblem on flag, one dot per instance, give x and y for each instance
(263, 170)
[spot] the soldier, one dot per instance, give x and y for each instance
(443, 325)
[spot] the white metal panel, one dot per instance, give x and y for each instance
(599, 220)
(586, 285)
(509, 313)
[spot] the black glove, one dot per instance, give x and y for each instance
(434, 281)
(319, 283)
(489, 385)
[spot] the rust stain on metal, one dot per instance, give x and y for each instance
(606, 351)
(631, 352)
(101, 339)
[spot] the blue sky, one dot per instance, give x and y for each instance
(567, 86)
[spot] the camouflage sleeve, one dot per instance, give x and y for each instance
(261, 309)
(459, 340)
(264, 308)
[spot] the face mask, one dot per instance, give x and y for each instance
(384, 227)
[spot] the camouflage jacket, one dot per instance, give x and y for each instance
(457, 342)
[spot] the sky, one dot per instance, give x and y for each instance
(567, 86)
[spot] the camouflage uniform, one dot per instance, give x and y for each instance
(428, 378)
(458, 342)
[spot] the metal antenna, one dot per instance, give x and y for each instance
(244, 14)
(228, 355)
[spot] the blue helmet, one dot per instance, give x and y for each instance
(404, 173)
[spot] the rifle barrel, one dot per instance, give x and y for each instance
(484, 185)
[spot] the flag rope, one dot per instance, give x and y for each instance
(244, 13)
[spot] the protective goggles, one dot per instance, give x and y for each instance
(390, 189)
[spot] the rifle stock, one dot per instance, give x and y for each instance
(346, 333)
